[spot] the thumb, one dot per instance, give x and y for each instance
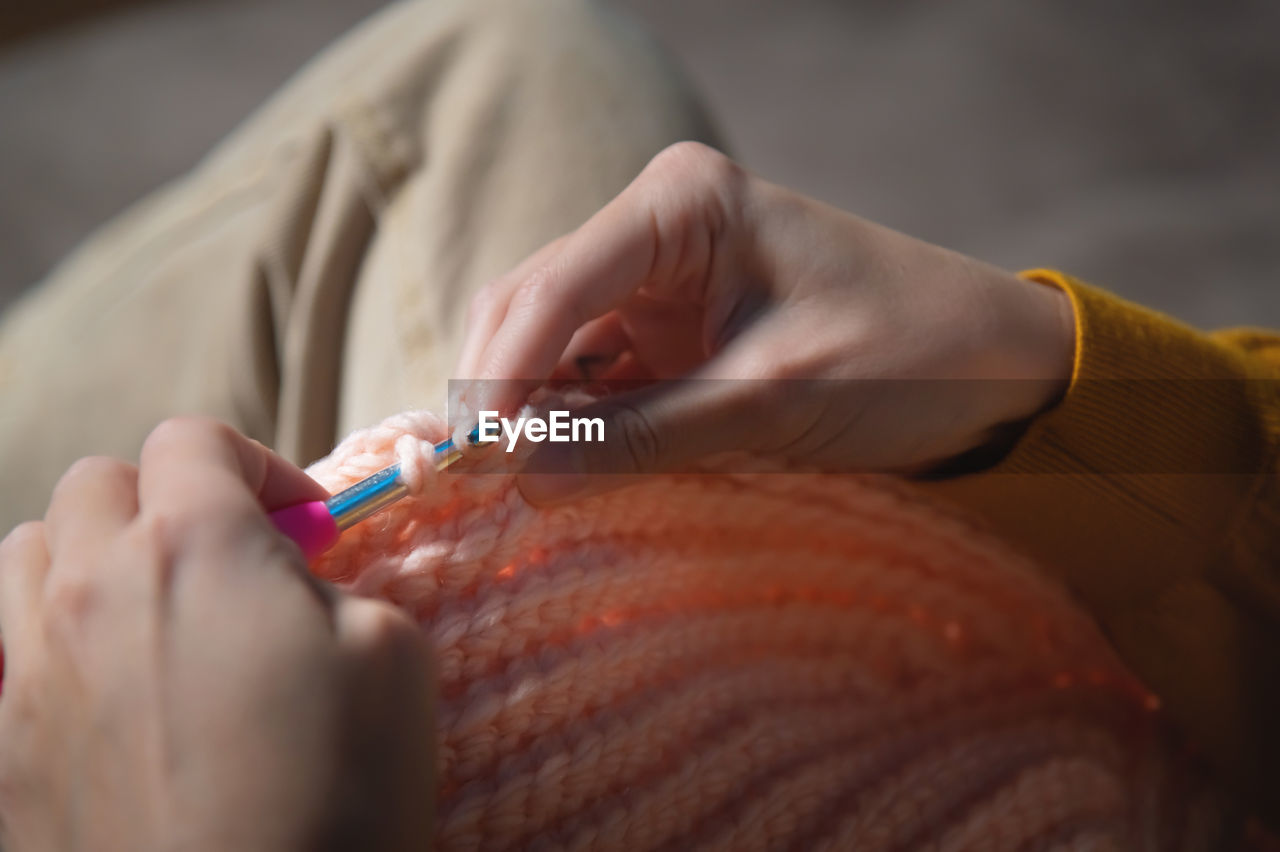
(660, 428)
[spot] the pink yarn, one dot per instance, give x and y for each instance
(755, 661)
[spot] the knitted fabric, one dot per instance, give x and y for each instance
(755, 661)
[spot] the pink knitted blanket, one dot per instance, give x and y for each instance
(756, 661)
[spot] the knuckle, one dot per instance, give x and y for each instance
(21, 537)
(694, 196)
(69, 604)
(181, 429)
(198, 436)
(536, 286)
(699, 168)
(91, 467)
(637, 440)
(690, 158)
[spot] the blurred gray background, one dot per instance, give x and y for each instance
(1135, 144)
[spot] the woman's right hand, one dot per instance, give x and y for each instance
(824, 339)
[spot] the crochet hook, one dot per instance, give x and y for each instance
(315, 526)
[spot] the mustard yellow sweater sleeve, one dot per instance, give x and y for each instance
(1153, 491)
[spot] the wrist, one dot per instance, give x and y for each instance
(1026, 370)
(1057, 350)
(1039, 330)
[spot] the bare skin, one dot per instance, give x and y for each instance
(702, 270)
(176, 680)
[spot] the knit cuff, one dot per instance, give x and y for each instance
(1147, 395)
(1161, 444)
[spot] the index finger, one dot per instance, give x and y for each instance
(657, 233)
(194, 466)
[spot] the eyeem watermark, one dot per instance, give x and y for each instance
(558, 427)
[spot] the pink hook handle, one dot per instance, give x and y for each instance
(308, 524)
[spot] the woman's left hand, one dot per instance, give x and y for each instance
(177, 680)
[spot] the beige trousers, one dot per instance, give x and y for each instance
(312, 275)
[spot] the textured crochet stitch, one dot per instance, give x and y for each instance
(749, 661)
